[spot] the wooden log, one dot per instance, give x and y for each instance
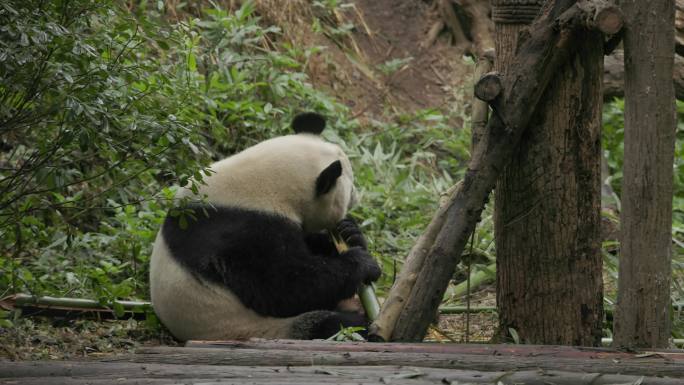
(549, 43)
(679, 27)
(431, 348)
(642, 310)
(75, 372)
(602, 15)
(480, 109)
(666, 365)
(381, 329)
(489, 87)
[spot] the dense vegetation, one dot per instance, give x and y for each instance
(105, 107)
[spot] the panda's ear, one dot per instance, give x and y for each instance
(308, 122)
(327, 178)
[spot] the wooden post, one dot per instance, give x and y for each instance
(547, 209)
(643, 306)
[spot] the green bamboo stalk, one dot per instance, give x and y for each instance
(369, 301)
(366, 293)
(458, 309)
(24, 300)
(477, 279)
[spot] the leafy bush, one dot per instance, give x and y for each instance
(89, 124)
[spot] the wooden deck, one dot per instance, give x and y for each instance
(315, 362)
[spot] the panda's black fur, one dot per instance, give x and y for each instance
(270, 276)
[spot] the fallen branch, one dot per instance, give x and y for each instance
(381, 329)
(468, 22)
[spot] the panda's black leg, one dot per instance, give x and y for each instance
(324, 324)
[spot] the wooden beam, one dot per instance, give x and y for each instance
(592, 361)
(126, 373)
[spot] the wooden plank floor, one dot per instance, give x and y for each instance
(125, 373)
(315, 362)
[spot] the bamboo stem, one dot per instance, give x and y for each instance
(25, 300)
(460, 309)
(366, 293)
(476, 279)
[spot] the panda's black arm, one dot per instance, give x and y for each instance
(292, 280)
(321, 244)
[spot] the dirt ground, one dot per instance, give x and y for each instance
(382, 64)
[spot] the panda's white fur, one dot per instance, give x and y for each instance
(274, 179)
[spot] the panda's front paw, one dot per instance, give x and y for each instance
(351, 234)
(372, 271)
(368, 268)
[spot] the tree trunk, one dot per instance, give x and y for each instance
(643, 307)
(547, 218)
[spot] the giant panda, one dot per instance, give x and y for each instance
(253, 258)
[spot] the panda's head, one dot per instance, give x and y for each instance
(333, 191)
(300, 176)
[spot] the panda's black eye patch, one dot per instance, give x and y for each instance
(308, 122)
(327, 178)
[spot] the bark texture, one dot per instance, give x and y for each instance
(547, 217)
(643, 308)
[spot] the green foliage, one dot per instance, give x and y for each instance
(86, 132)
(348, 334)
